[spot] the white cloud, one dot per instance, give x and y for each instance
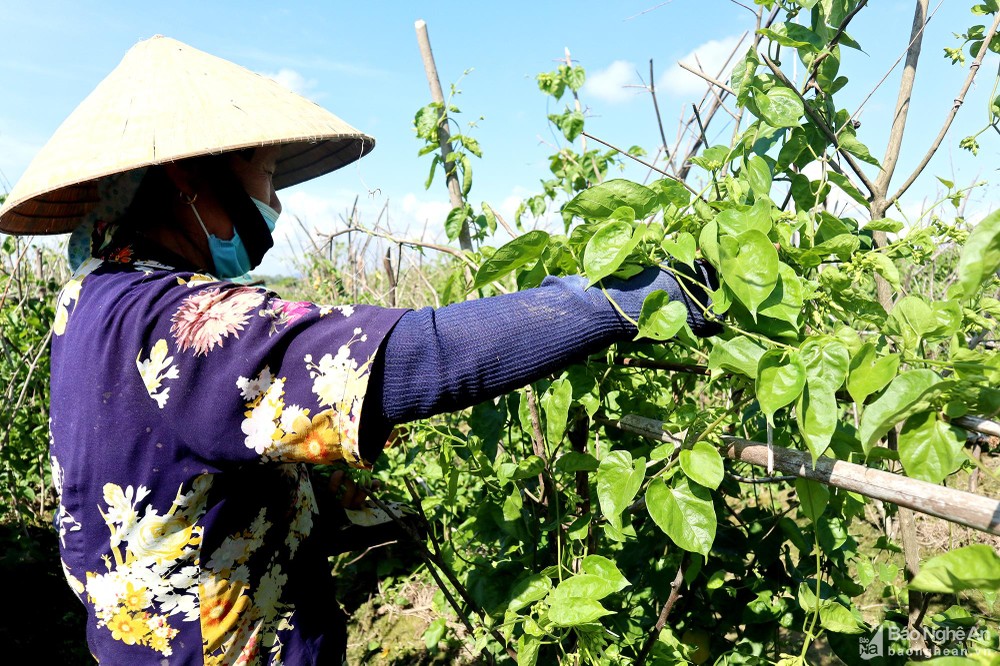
(711, 55)
(608, 84)
(292, 80)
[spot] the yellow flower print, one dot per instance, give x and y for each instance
(155, 370)
(162, 538)
(135, 599)
(196, 280)
(223, 604)
(128, 628)
(70, 293)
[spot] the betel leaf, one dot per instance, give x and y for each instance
(683, 247)
(661, 318)
(826, 361)
(838, 618)
(844, 184)
(735, 221)
(906, 394)
(618, 480)
(555, 404)
(779, 107)
(571, 611)
(515, 254)
(585, 586)
(759, 176)
(703, 464)
(980, 257)
(528, 591)
(779, 381)
(813, 497)
(685, 513)
(607, 249)
(817, 414)
(974, 567)
(671, 191)
(870, 373)
(600, 201)
(929, 447)
(749, 266)
(576, 461)
(737, 355)
(598, 565)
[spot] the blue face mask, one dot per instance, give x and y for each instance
(230, 256)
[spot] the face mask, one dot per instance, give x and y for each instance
(269, 214)
(230, 257)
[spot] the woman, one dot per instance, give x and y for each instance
(187, 408)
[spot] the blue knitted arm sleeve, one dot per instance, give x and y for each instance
(442, 360)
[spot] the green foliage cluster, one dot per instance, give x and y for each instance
(852, 336)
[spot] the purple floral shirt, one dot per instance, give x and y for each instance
(185, 411)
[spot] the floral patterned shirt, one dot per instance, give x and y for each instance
(184, 413)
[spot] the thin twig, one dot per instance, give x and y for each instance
(675, 594)
(714, 81)
(959, 100)
(644, 163)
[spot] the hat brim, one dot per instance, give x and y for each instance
(165, 102)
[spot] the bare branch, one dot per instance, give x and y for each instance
(902, 109)
(959, 100)
(712, 80)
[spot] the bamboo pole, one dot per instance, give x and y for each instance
(444, 135)
(956, 506)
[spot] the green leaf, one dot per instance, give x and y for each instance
(817, 413)
(905, 395)
(734, 222)
(671, 192)
(980, 257)
(850, 143)
(844, 184)
(759, 175)
(779, 382)
(585, 586)
(618, 481)
(683, 247)
(885, 267)
(455, 221)
(555, 404)
(576, 461)
(930, 448)
(435, 632)
(749, 267)
(813, 497)
(661, 318)
(607, 250)
(974, 567)
(606, 569)
(685, 513)
(703, 464)
(835, 617)
(740, 355)
(870, 373)
(600, 201)
(780, 107)
(515, 254)
(570, 612)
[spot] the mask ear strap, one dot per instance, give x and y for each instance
(189, 200)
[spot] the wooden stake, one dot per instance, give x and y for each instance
(444, 136)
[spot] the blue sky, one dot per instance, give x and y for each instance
(361, 61)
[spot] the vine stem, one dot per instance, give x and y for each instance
(675, 594)
(644, 163)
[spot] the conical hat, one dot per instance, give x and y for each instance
(164, 102)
